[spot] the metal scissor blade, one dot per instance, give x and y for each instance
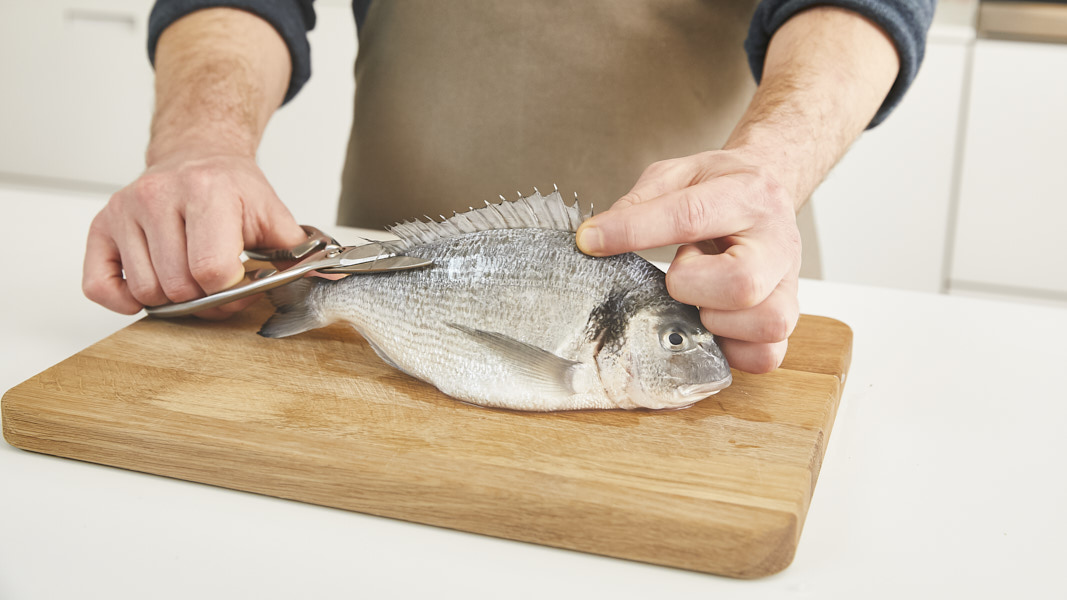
(389, 263)
(373, 257)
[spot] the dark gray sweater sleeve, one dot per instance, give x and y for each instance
(905, 21)
(291, 18)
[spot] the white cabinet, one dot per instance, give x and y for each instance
(1012, 221)
(77, 95)
(883, 212)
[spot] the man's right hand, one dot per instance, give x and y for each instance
(177, 232)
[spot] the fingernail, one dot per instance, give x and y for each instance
(590, 239)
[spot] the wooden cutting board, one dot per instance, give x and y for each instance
(721, 487)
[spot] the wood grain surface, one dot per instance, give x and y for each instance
(721, 487)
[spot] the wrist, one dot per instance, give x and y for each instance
(213, 116)
(197, 143)
(826, 73)
(220, 74)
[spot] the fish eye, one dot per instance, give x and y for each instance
(674, 340)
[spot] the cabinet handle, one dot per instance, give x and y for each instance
(100, 17)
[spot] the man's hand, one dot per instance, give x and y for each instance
(741, 254)
(177, 232)
(826, 72)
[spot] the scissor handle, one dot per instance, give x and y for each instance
(317, 240)
(255, 286)
(319, 253)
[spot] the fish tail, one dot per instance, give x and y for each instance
(295, 312)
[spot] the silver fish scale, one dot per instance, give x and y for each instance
(529, 284)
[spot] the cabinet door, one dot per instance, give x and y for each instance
(882, 213)
(1013, 196)
(78, 90)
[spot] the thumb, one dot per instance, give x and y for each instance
(624, 228)
(590, 236)
(276, 228)
(658, 222)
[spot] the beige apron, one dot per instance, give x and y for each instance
(460, 101)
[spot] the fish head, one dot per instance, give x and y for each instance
(665, 358)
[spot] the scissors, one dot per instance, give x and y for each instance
(320, 252)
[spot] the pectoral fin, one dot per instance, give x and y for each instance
(543, 369)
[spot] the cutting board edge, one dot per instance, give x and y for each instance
(840, 334)
(774, 547)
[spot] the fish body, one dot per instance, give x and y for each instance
(511, 314)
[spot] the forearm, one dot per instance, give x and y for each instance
(220, 74)
(826, 73)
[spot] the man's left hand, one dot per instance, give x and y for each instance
(740, 258)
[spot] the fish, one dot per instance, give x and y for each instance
(511, 314)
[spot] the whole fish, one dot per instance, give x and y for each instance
(512, 315)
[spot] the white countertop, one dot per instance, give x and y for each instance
(944, 475)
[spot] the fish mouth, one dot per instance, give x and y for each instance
(699, 391)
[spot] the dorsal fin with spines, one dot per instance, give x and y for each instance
(535, 210)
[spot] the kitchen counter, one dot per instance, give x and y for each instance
(943, 475)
